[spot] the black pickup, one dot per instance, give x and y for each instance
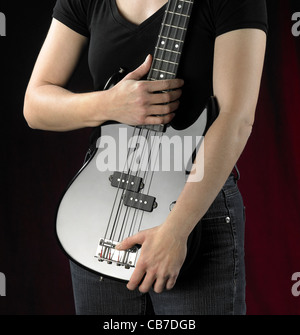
(126, 182)
(139, 201)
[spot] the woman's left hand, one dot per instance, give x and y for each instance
(162, 255)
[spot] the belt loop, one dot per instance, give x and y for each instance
(237, 175)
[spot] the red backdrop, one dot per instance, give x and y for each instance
(37, 166)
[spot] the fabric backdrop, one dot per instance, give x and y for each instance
(36, 167)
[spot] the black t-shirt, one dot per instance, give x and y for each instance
(115, 42)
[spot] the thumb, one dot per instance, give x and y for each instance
(142, 70)
(131, 241)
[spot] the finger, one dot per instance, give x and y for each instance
(130, 241)
(155, 120)
(163, 110)
(147, 283)
(136, 278)
(171, 282)
(164, 85)
(141, 71)
(165, 97)
(160, 284)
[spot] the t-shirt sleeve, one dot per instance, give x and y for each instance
(73, 13)
(239, 14)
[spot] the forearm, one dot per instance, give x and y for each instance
(223, 145)
(50, 107)
(131, 101)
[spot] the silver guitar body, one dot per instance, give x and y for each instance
(103, 205)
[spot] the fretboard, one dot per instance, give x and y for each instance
(171, 40)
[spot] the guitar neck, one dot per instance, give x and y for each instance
(171, 40)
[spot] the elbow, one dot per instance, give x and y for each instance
(28, 111)
(247, 121)
(240, 124)
(245, 126)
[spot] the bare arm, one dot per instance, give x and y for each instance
(238, 63)
(49, 106)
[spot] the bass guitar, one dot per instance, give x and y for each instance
(133, 175)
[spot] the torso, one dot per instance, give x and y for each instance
(124, 32)
(137, 11)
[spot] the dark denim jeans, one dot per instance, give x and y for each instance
(212, 280)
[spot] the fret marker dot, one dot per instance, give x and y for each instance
(161, 76)
(177, 46)
(179, 6)
(163, 42)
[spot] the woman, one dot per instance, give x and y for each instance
(223, 56)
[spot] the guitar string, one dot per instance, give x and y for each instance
(170, 24)
(162, 56)
(140, 159)
(114, 203)
(162, 68)
(118, 190)
(146, 175)
(182, 39)
(121, 181)
(147, 138)
(119, 210)
(123, 226)
(165, 49)
(127, 213)
(152, 174)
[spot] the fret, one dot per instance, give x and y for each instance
(168, 46)
(172, 26)
(166, 61)
(170, 38)
(168, 55)
(184, 15)
(163, 49)
(160, 75)
(177, 21)
(164, 67)
(173, 33)
(163, 72)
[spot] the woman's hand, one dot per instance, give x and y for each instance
(137, 102)
(162, 255)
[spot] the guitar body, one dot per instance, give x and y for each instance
(92, 210)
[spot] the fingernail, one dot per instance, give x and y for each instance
(118, 246)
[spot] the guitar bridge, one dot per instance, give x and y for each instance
(106, 252)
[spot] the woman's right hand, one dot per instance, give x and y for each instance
(138, 102)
